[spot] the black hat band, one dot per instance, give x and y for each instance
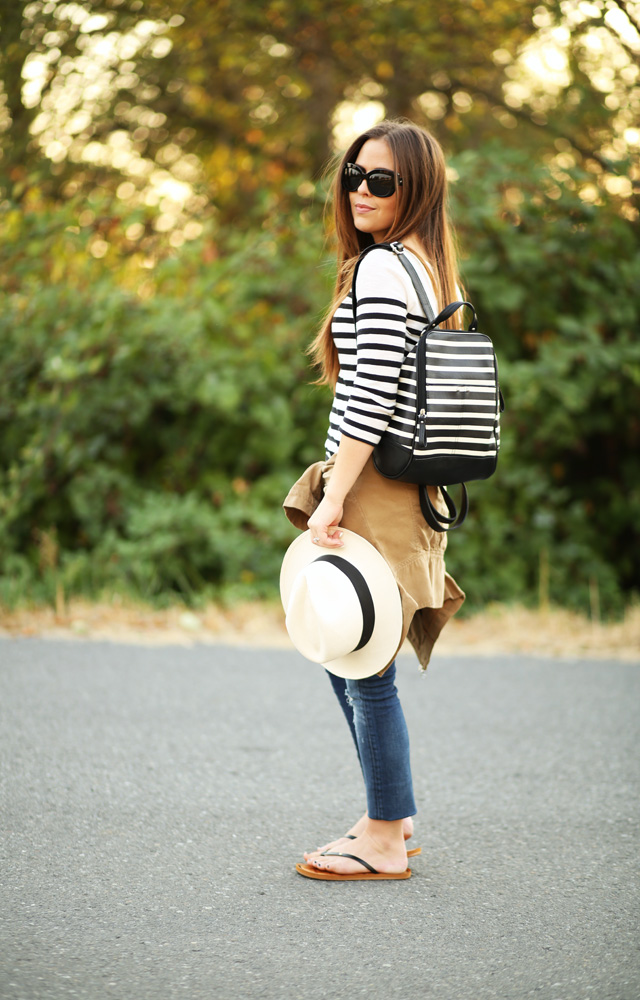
(361, 588)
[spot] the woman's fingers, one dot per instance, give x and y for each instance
(327, 535)
(323, 525)
(324, 537)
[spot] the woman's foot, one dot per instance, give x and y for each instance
(346, 843)
(381, 845)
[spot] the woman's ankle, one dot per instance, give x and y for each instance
(389, 833)
(361, 826)
(358, 827)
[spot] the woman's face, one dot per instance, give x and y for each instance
(370, 214)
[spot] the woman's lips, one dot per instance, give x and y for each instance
(364, 208)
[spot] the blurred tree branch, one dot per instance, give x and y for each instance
(251, 90)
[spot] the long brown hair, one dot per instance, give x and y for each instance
(422, 211)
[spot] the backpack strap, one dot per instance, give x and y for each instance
(398, 249)
(434, 518)
(448, 311)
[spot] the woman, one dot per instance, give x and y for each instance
(390, 186)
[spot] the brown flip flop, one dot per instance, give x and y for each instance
(371, 874)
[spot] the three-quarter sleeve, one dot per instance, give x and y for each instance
(381, 328)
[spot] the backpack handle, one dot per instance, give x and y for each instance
(449, 311)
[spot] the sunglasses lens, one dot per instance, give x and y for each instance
(381, 185)
(352, 177)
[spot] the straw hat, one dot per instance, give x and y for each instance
(343, 605)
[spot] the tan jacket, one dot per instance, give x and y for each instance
(387, 513)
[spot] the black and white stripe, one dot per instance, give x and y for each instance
(462, 399)
(372, 351)
(377, 389)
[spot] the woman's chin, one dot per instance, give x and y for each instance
(364, 226)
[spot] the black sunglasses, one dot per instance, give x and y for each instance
(381, 182)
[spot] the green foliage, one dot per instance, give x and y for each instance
(555, 281)
(150, 441)
(156, 401)
(152, 420)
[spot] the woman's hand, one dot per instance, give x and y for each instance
(323, 524)
(350, 460)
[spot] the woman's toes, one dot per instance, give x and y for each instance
(308, 855)
(312, 855)
(324, 865)
(332, 846)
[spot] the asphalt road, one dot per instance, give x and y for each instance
(154, 801)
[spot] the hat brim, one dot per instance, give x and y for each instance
(387, 603)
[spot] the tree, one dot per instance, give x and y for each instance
(233, 97)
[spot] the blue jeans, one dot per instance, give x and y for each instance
(376, 720)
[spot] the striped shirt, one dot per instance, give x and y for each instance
(389, 320)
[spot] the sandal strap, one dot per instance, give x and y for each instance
(347, 836)
(340, 854)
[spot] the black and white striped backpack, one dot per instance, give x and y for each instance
(445, 428)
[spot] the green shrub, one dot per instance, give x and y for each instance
(151, 420)
(555, 283)
(157, 436)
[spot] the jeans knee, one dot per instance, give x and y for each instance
(351, 693)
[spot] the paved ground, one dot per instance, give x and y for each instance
(154, 801)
